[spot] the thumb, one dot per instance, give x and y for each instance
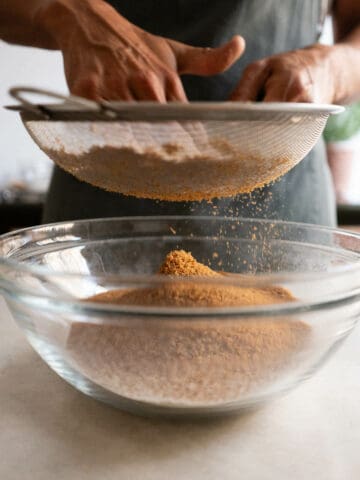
(207, 61)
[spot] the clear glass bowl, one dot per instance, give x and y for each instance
(181, 360)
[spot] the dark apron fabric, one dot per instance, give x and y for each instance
(305, 194)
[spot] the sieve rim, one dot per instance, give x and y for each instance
(276, 107)
(176, 111)
(72, 105)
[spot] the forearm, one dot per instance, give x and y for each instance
(90, 19)
(50, 23)
(42, 23)
(346, 51)
(19, 23)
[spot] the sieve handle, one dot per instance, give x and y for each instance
(45, 111)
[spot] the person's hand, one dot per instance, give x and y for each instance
(107, 57)
(305, 75)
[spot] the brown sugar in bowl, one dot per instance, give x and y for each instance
(188, 361)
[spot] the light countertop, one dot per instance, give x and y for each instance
(51, 431)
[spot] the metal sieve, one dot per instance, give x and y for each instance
(173, 151)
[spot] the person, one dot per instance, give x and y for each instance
(194, 50)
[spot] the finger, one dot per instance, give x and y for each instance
(147, 88)
(174, 90)
(276, 90)
(116, 89)
(144, 92)
(122, 94)
(252, 82)
(207, 61)
(289, 87)
(126, 95)
(88, 87)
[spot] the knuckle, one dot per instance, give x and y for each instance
(86, 86)
(300, 82)
(254, 68)
(115, 89)
(151, 77)
(305, 96)
(145, 79)
(171, 76)
(137, 77)
(301, 88)
(172, 79)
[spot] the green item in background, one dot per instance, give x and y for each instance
(344, 126)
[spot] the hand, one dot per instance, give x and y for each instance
(305, 75)
(107, 57)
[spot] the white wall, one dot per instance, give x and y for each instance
(19, 156)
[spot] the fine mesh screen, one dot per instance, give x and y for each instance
(185, 160)
(174, 151)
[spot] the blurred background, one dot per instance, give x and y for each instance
(342, 137)
(25, 170)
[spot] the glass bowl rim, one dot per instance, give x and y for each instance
(41, 270)
(262, 279)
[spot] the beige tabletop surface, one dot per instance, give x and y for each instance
(50, 431)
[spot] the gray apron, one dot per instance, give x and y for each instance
(269, 26)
